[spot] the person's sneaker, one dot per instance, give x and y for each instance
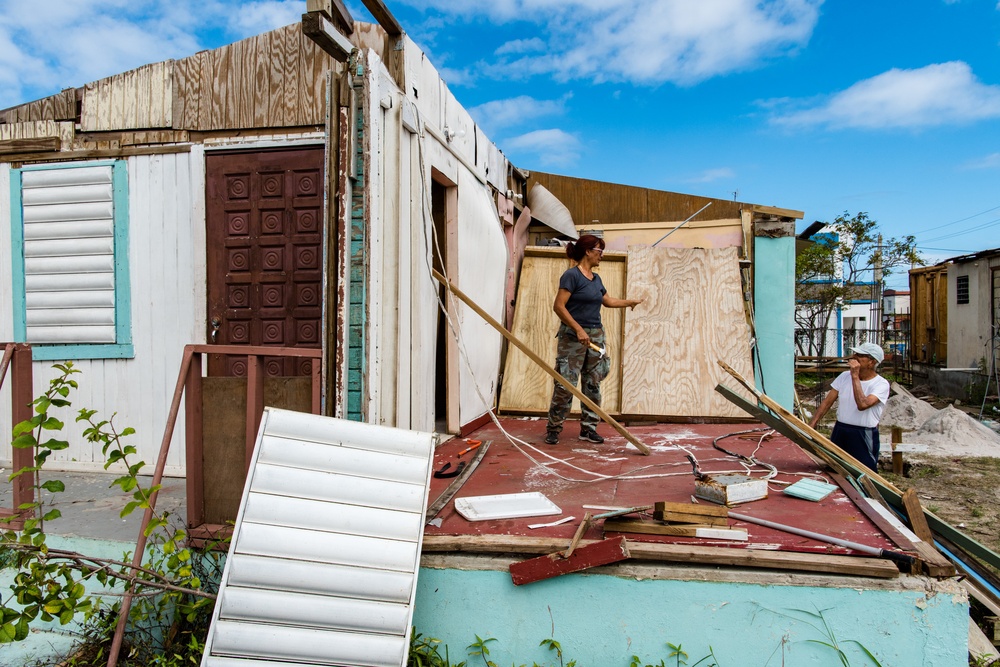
(551, 438)
(589, 435)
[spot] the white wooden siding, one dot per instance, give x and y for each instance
(58, 245)
(167, 279)
(322, 567)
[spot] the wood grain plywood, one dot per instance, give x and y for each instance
(528, 388)
(692, 316)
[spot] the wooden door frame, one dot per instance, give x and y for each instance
(453, 419)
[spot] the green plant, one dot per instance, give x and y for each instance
(424, 652)
(817, 621)
(171, 609)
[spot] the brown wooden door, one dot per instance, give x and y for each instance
(263, 215)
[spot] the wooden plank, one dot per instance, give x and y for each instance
(275, 96)
(915, 513)
(186, 90)
(674, 553)
(317, 28)
(595, 554)
(711, 511)
(290, 66)
(692, 313)
(647, 527)
(16, 146)
(981, 648)
(384, 17)
(100, 153)
(526, 387)
(573, 390)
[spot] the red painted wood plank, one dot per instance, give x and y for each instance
(604, 552)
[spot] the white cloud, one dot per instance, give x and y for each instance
(521, 46)
(74, 42)
(939, 94)
(552, 147)
(991, 161)
(645, 41)
(500, 114)
(710, 175)
(252, 18)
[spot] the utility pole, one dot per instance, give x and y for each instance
(876, 307)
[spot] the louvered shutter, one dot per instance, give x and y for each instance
(69, 255)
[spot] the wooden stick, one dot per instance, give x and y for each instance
(584, 525)
(538, 360)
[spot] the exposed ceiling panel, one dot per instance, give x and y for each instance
(323, 564)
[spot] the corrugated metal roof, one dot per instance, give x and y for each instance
(323, 564)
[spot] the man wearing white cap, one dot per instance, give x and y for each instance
(861, 394)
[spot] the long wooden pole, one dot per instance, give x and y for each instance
(542, 364)
(808, 430)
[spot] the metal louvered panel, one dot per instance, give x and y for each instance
(49, 178)
(335, 487)
(67, 212)
(62, 282)
(293, 645)
(321, 578)
(65, 335)
(68, 217)
(323, 561)
(344, 459)
(330, 517)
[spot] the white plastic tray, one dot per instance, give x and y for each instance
(505, 506)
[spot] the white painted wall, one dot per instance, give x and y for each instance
(969, 326)
(403, 295)
(167, 276)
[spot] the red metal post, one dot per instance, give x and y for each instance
(194, 453)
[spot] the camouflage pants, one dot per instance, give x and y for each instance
(575, 362)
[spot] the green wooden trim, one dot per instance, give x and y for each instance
(123, 285)
(17, 256)
(357, 284)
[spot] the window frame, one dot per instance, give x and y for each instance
(122, 348)
(959, 280)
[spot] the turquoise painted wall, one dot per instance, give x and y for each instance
(774, 317)
(602, 621)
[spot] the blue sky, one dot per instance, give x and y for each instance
(887, 107)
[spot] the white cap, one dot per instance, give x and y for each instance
(872, 350)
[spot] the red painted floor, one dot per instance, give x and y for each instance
(573, 474)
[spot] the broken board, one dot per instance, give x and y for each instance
(602, 552)
(322, 567)
(528, 388)
(692, 315)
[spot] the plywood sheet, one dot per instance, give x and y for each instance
(528, 388)
(691, 317)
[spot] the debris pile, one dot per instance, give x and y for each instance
(951, 432)
(906, 412)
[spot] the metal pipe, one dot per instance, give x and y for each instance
(857, 546)
(683, 223)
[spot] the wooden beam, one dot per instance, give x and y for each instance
(534, 357)
(384, 17)
(675, 553)
(319, 29)
(15, 146)
(128, 151)
(336, 10)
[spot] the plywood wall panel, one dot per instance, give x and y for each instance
(138, 99)
(528, 388)
(692, 316)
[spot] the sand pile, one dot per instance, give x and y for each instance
(906, 412)
(951, 432)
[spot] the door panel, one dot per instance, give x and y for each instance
(264, 212)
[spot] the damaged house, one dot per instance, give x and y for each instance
(266, 223)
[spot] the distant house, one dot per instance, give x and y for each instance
(830, 329)
(956, 321)
(896, 320)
